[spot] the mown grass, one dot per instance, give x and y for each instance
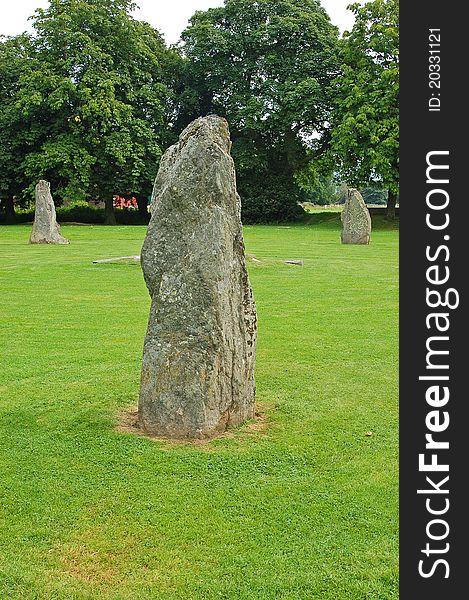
(303, 509)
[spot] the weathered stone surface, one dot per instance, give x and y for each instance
(199, 352)
(118, 260)
(46, 230)
(356, 220)
(299, 262)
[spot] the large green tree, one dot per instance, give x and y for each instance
(98, 98)
(265, 66)
(17, 138)
(364, 134)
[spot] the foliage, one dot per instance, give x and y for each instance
(319, 189)
(17, 136)
(265, 66)
(94, 100)
(276, 199)
(364, 134)
(373, 195)
(90, 101)
(79, 212)
(82, 212)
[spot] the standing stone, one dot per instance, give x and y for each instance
(356, 220)
(199, 352)
(46, 230)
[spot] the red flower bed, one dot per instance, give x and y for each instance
(120, 202)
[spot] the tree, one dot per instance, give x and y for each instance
(319, 189)
(374, 195)
(364, 134)
(97, 99)
(265, 66)
(16, 137)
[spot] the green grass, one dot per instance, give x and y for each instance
(304, 509)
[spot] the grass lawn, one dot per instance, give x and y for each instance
(304, 508)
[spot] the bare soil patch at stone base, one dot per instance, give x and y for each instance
(127, 422)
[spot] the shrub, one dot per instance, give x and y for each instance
(273, 200)
(81, 212)
(21, 215)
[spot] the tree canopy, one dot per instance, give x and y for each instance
(364, 132)
(94, 102)
(16, 136)
(266, 66)
(93, 97)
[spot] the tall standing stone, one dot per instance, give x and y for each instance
(46, 230)
(199, 352)
(356, 220)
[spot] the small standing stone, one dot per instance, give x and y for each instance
(46, 230)
(356, 220)
(198, 359)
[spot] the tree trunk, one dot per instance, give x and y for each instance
(9, 210)
(391, 206)
(142, 208)
(109, 216)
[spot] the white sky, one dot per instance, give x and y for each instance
(169, 16)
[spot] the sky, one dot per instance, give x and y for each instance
(170, 17)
